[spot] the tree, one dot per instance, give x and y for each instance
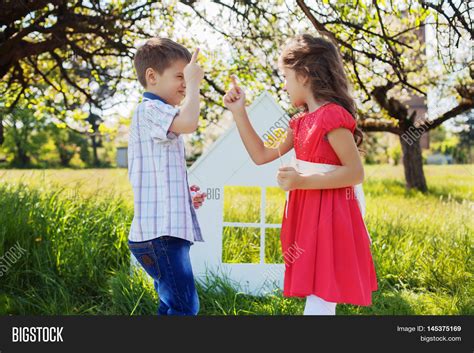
(382, 44)
(94, 120)
(466, 136)
(56, 54)
(67, 143)
(25, 136)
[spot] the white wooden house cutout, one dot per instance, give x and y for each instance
(227, 163)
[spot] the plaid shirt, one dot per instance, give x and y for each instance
(157, 172)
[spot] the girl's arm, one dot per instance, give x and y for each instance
(350, 173)
(254, 144)
(234, 100)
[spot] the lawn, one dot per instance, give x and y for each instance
(74, 224)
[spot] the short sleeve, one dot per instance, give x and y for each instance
(158, 118)
(294, 118)
(336, 117)
(291, 123)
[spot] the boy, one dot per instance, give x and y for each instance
(164, 225)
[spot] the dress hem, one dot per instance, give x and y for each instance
(328, 299)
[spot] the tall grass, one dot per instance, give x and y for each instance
(74, 225)
(72, 244)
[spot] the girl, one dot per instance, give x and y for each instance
(323, 217)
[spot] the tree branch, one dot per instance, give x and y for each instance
(463, 107)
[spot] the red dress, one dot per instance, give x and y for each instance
(325, 244)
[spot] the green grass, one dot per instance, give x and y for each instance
(74, 225)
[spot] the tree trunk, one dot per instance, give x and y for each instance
(94, 150)
(413, 163)
(22, 158)
(2, 137)
(65, 155)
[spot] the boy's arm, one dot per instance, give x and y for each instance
(186, 121)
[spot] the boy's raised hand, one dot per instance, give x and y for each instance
(193, 73)
(234, 99)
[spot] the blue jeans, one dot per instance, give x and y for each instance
(166, 260)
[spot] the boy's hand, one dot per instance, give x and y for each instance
(234, 100)
(197, 197)
(193, 73)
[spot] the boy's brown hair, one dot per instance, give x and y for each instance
(158, 54)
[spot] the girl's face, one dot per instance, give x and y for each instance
(295, 85)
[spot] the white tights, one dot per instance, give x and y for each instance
(318, 306)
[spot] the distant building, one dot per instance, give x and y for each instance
(418, 104)
(122, 157)
(439, 158)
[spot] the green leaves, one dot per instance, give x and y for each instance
(73, 61)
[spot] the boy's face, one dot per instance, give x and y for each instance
(170, 85)
(294, 85)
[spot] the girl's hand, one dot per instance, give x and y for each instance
(288, 178)
(234, 100)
